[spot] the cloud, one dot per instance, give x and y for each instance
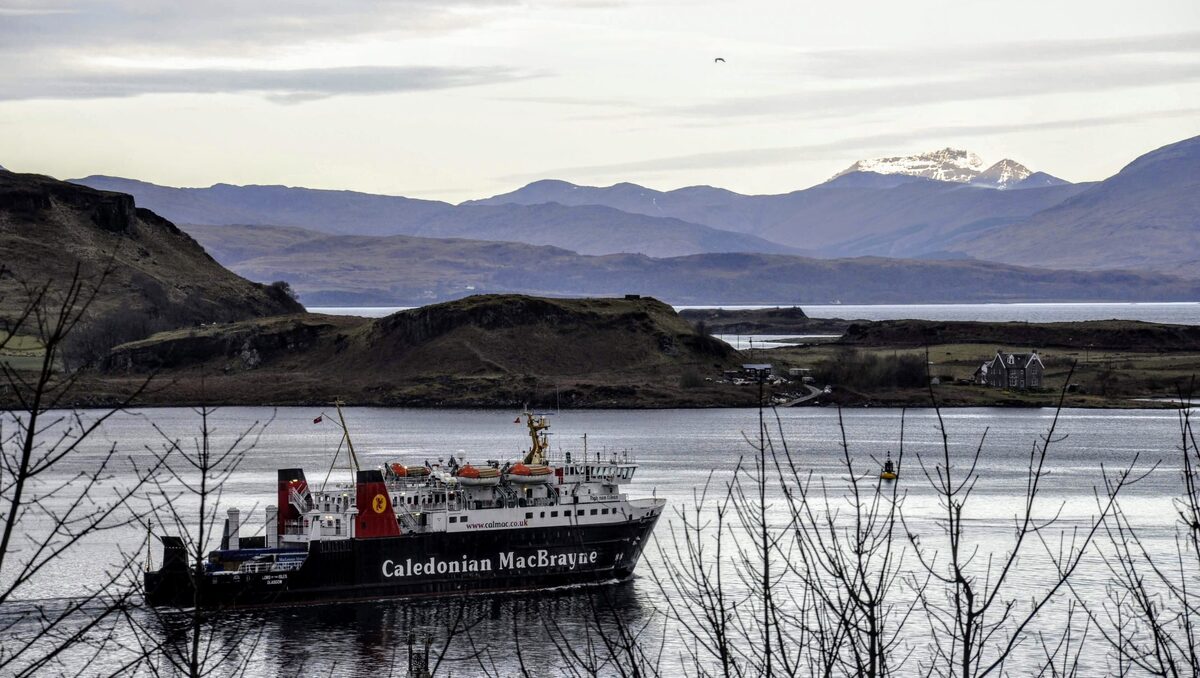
(180, 26)
(777, 155)
(1003, 82)
(875, 63)
(823, 84)
(279, 85)
(86, 49)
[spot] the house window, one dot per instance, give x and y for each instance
(554, 514)
(529, 516)
(593, 511)
(604, 511)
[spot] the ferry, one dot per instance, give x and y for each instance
(423, 530)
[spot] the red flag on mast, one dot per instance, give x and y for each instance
(318, 419)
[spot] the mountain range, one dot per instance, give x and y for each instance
(587, 229)
(947, 204)
(1147, 216)
(401, 270)
(852, 215)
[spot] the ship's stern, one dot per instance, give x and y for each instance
(171, 585)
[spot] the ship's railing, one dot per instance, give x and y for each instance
(604, 457)
(409, 522)
(255, 567)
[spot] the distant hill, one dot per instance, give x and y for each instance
(787, 320)
(344, 212)
(855, 214)
(1116, 335)
(160, 277)
(1040, 180)
(231, 244)
(405, 270)
(493, 350)
(591, 229)
(1145, 217)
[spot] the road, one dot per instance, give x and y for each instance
(813, 392)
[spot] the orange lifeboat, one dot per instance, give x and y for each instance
(395, 470)
(472, 475)
(529, 473)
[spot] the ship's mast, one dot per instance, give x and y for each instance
(538, 439)
(346, 434)
(352, 458)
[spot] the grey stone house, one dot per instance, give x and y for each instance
(1012, 370)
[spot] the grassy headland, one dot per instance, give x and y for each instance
(483, 351)
(512, 350)
(1115, 363)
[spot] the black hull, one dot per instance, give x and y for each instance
(418, 565)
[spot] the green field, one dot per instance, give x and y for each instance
(21, 352)
(1102, 378)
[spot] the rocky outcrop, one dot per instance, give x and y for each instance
(489, 350)
(151, 275)
(240, 346)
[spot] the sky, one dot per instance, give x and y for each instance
(464, 99)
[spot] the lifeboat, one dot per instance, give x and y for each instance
(529, 473)
(473, 475)
(398, 470)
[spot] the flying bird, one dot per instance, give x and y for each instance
(719, 60)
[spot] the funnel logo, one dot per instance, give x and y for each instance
(379, 503)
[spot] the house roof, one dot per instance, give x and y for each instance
(1018, 359)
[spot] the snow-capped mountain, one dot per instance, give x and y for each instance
(1004, 174)
(948, 164)
(955, 165)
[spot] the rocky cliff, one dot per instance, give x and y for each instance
(148, 273)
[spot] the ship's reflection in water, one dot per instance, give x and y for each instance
(487, 634)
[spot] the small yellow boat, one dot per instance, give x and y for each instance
(889, 469)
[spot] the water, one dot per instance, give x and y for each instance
(1179, 313)
(749, 342)
(678, 450)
